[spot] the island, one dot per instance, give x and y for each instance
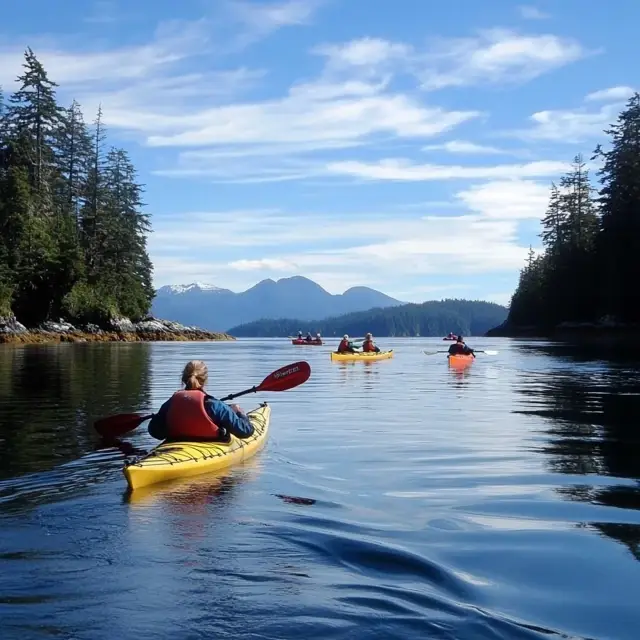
(73, 259)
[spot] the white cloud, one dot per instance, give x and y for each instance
(497, 56)
(612, 94)
(507, 199)
(529, 12)
(572, 126)
(404, 170)
(369, 248)
(464, 147)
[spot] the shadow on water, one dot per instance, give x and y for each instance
(594, 411)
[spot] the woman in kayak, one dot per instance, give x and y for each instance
(460, 348)
(368, 345)
(192, 414)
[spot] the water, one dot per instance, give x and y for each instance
(397, 499)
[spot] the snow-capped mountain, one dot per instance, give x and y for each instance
(184, 288)
(217, 309)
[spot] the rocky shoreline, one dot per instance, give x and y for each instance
(606, 331)
(118, 330)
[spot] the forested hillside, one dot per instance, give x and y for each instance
(433, 318)
(590, 265)
(72, 231)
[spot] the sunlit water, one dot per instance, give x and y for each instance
(396, 499)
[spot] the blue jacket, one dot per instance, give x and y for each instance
(221, 413)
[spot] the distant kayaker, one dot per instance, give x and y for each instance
(309, 338)
(460, 348)
(368, 345)
(299, 335)
(192, 414)
(346, 346)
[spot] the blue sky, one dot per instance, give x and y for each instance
(406, 145)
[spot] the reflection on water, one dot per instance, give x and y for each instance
(50, 395)
(592, 415)
(395, 499)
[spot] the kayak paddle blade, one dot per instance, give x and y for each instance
(114, 426)
(287, 377)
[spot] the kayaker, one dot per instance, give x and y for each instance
(299, 335)
(460, 348)
(309, 338)
(368, 345)
(346, 346)
(192, 414)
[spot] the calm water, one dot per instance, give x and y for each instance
(499, 502)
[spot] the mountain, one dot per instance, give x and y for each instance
(433, 318)
(210, 307)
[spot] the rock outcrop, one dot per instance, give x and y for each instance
(117, 330)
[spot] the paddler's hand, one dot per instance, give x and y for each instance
(237, 409)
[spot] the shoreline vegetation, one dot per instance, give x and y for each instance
(582, 285)
(73, 233)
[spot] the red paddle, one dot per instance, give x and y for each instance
(288, 377)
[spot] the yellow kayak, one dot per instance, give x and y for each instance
(170, 460)
(368, 356)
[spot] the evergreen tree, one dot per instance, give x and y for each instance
(620, 207)
(72, 230)
(591, 245)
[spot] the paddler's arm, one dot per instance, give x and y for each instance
(224, 416)
(158, 424)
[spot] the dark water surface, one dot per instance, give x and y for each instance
(397, 499)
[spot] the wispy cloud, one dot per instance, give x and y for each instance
(347, 250)
(530, 12)
(612, 94)
(571, 126)
(465, 147)
(497, 56)
(399, 169)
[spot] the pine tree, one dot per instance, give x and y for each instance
(554, 223)
(620, 206)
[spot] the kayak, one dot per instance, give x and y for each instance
(460, 359)
(313, 342)
(171, 460)
(368, 356)
(451, 339)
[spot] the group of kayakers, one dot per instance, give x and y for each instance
(368, 346)
(192, 414)
(309, 337)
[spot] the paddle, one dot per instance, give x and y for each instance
(287, 377)
(487, 352)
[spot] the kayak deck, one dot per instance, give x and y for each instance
(460, 360)
(367, 356)
(170, 460)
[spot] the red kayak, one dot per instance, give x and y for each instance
(313, 342)
(452, 339)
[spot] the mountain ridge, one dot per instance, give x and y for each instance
(215, 308)
(427, 319)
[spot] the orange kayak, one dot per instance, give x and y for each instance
(460, 360)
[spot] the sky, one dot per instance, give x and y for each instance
(407, 146)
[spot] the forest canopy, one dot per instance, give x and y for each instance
(590, 263)
(72, 230)
(432, 318)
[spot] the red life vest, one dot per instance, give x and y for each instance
(368, 345)
(343, 346)
(187, 417)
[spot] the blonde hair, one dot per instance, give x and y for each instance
(195, 375)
